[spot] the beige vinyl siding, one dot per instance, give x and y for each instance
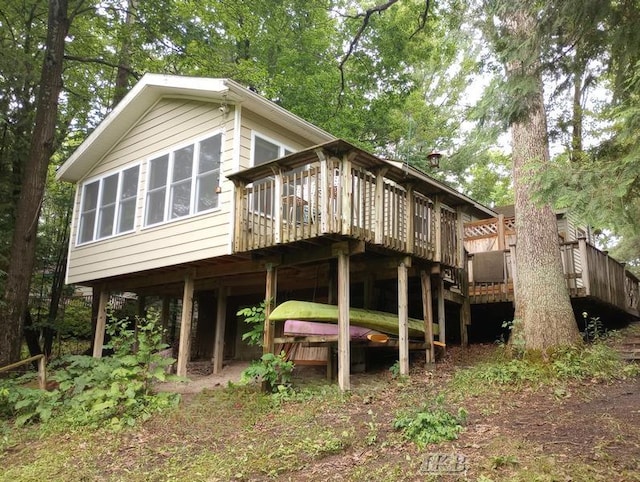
(169, 123)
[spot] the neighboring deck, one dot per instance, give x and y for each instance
(589, 272)
(337, 191)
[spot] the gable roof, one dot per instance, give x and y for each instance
(149, 90)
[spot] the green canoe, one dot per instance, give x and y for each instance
(374, 320)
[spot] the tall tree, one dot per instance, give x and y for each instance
(542, 304)
(42, 145)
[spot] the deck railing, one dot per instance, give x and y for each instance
(588, 272)
(340, 197)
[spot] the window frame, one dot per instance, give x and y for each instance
(99, 207)
(170, 183)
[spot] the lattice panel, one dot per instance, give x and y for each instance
(510, 225)
(473, 230)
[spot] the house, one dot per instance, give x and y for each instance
(204, 197)
(199, 190)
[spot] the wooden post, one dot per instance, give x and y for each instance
(221, 320)
(437, 211)
(346, 198)
(410, 212)
(239, 238)
(369, 291)
(98, 341)
(427, 314)
(42, 372)
(584, 262)
(460, 240)
(441, 317)
(501, 234)
(270, 301)
(277, 207)
(465, 308)
(379, 207)
(185, 326)
(403, 315)
(344, 358)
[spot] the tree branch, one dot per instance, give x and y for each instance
(89, 60)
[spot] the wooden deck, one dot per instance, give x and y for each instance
(309, 196)
(588, 272)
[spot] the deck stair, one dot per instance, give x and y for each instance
(629, 349)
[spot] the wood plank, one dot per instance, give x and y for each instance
(184, 346)
(441, 314)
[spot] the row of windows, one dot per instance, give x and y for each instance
(180, 183)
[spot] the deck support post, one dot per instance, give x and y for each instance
(403, 314)
(101, 322)
(269, 303)
(441, 316)
(427, 313)
(221, 320)
(184, 346)
(344, 356)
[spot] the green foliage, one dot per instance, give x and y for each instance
(395, 369)
(272, 369)
(431, 424)
(593, 328)
(114, 391)
(596, 361)
(254, 317)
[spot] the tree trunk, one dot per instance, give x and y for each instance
(42, 146)
(543, 307)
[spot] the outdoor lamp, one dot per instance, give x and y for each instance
(434, 159)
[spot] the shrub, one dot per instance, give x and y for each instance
(115, 390)
(272, 369)
(431, 424)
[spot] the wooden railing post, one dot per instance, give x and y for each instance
(584, 262)
(460, 241)
(346, 196)
(410, 217)
(501, 234)
(379, 207)
(437, 211)
(239, 238)
(276, 204)
(323, 186)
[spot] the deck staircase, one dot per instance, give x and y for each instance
(629, 349)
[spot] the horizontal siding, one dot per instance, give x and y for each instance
(169, 122)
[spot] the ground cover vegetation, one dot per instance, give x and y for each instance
(480, 415)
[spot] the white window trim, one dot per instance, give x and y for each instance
(100, 178)
(194, 175)
(282, 147)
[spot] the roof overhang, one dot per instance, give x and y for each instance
(153, 87)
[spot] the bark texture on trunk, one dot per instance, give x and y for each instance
(22, 253)
(543, 306)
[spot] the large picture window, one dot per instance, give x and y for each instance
(184, 181)
(108, 205)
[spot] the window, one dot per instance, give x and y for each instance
(263, 152)
(108, 205)
(184, 181)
